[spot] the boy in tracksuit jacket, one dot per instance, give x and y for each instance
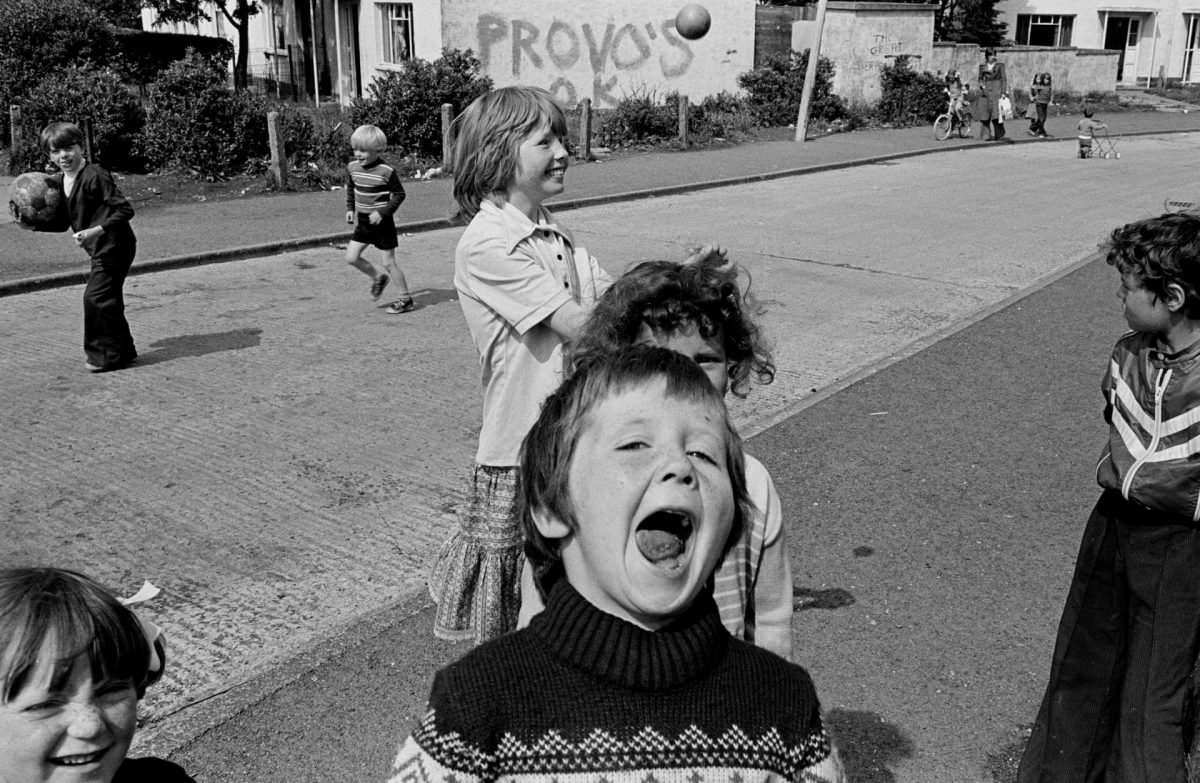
(1115, 705)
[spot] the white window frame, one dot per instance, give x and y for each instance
(1191, 50)
(1054, 21)
(391, 15)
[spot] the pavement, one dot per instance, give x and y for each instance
(284, 460)
(181, 235)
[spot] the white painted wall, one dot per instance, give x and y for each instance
(603, 50)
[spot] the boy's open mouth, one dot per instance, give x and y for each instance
(79, 759)
(662, 537)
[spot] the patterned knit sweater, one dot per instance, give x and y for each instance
(581, 695)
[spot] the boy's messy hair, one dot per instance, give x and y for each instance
(1159, 252)
(60, 135)
(549, 447)
(79, 617)
(667, 297)
(368, 137)
(487, 136)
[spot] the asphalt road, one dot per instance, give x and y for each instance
(287, 457)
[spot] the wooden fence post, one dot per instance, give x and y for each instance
(583, 150)
(89, 141)
(446, 151)
(279, 164)
(15, 127)
(683, 121)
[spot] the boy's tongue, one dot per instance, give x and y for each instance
(658, 545)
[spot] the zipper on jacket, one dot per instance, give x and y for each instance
(1160, 388)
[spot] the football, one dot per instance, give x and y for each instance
(693, 21)
(35, 200)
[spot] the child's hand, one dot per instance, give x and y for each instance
(711, 255)
(82, 236)
(375, 218)
(350, 216)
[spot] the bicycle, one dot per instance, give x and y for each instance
(950, 121)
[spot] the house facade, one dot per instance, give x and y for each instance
(333, 49)
(1152, 37)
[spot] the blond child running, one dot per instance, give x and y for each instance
(373, 194)
(524, 287)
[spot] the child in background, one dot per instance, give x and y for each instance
(74, 662)
(1087, 128)
(1118, 703)
(99, 216)
(524, 287)
(955, 94)
(1039, 99)
(373, 194)
(699, 310)
(631, 488)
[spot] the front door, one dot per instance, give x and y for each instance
(1122, 34)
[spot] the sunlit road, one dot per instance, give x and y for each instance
(287, 458)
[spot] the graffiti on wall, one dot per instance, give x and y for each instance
(560, 51)
(885, 45)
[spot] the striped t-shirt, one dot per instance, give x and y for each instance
(374, 188)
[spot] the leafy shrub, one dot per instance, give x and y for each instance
(639, 118)
(407, 104)
(38, 38)
(774, 89)
(195, 122)
(79, 94)
(724, 116)
(317, 145)
(909, 98)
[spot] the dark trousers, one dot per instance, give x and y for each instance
(997, 129)
(1038, 126)
(106, 338)
(1120, 678)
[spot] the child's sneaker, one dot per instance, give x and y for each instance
(400, 306)
(378, 286)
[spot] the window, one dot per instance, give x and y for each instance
(273, 19)
(396, 21)
(1044, 29)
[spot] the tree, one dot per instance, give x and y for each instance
(969, 21)
(236, 12)
(122, 13)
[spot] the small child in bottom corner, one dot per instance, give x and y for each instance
(631, 488)
(1119, 699)
(1087, 128)
(700, 310)
(373, 194)
(74, 662)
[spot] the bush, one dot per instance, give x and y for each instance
(39, 38)
(774, 89)
(317, 145)
(96, 95)
(407, 104)
(195, 122)
(909, 98)
(639, 118)
(721, 116)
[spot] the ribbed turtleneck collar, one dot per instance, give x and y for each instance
(620, 652)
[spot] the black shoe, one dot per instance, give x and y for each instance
(401, 306)
(378, 286)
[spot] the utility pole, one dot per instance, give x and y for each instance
(810, 75)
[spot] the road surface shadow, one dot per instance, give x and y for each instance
(807, 598)
(424, 298)
(869, 747)
(169, 348)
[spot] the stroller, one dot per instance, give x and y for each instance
(1103, 145)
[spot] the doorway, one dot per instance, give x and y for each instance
(348, 56)
(1122, 34)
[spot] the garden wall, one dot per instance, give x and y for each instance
(1072, 70)
(603, 51)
